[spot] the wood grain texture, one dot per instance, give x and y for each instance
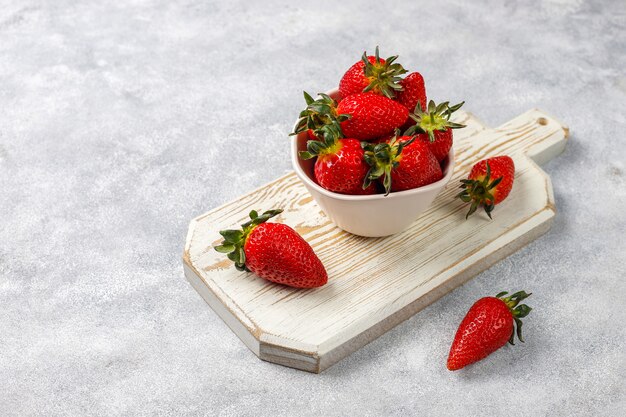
(374, 283)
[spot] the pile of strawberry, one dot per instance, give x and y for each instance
(358, 140)
(359, 149)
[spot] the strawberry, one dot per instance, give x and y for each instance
(402, 163)
(436, 127)
(317, 114)
(487, 326)
(481, 190)
(273, 251)
(371, 116)
(371, 73)
(340, 166)
(413, 91)
(440, 147)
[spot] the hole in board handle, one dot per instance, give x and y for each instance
(542, 121)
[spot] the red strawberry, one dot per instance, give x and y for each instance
(440, 147)
(402, 163)
(481, 190)
(340, 166)
(487, 326)
(414, 91)
(317, 114)
(371, 116)
(273, 251)
(436, 125)
(373, 74)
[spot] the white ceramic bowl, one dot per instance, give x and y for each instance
(368, 215)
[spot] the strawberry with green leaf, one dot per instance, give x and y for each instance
(273, 251)
(402, 163)
(373, 74)
(340, 166)
(434, 127)
(489, 182)
(317, 114)
(488, 325)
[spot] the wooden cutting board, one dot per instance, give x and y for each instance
(374, 283)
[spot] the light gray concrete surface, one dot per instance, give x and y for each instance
(121, 121)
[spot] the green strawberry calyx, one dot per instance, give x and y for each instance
(234, 240)
(383, 158)
(434, 117)
(317, 114)
(328, 142)
(479, 193)
(518, 311)
(384, 77)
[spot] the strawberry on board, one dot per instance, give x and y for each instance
(273, 251)
(372, 74)
(489, 182)
(433, 126)
(413, 92)
(317, 114)
(487, 326)
(370, 116)
(402, 163)
(340, 165)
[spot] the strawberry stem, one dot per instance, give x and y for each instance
(384, 77)
(518, 311)
(328, 143)
(382, 159)
(317, 114)
(435, 117)
(479, 193)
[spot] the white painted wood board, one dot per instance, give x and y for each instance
(374, 283)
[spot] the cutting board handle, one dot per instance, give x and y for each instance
(534, 134)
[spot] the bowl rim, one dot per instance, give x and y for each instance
(295, 162)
